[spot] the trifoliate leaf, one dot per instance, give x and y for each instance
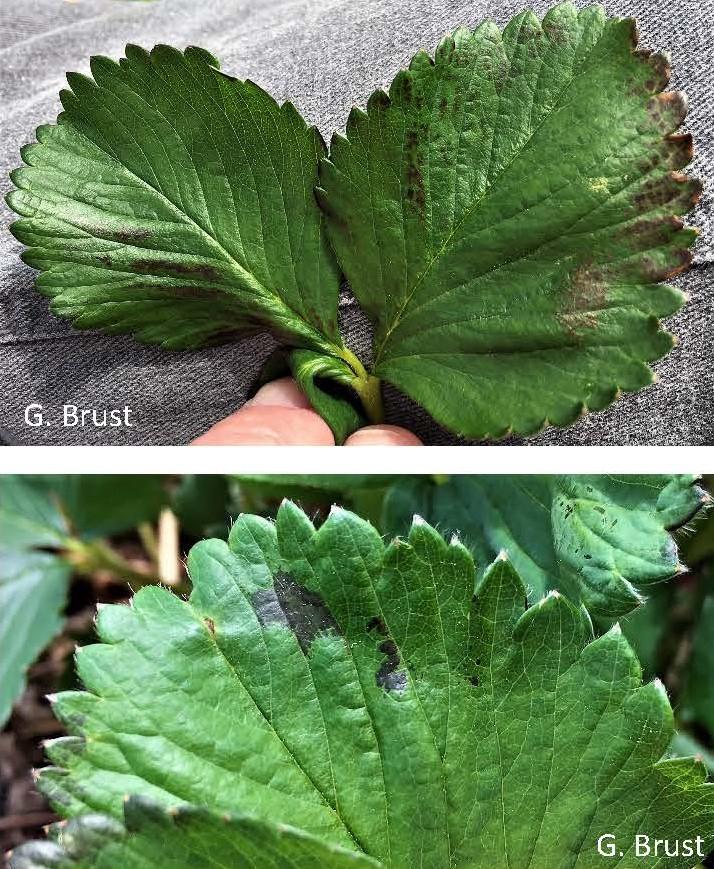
(504, 216)
(361, 693)
(177, 203)
(601, 540)
(33, 590)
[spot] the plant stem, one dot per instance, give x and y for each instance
(87, 557)
(368, 387)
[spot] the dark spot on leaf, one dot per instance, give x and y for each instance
(128, 236)
(675, 189)
(679, 149)
(289, 604)
(443, 105)
(378, 100)
(657, 230)
(377, 624)
(556, 31)
(588, 557)
(414, 180)
(211, 625)
(177, 269)
(388, 676)
(474, 680)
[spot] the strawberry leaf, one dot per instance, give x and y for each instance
(504, 216)
(602, 540)
(180, 838)
(33, 590)
(362, 694)
(177, 203)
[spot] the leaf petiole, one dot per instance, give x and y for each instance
(366, 385)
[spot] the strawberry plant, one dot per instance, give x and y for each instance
(504, 216)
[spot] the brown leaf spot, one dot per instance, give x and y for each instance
(377, 624)
(211, 625)
(128, 236)
(656, 230)
(668, 110)
(680, 150)
(585, 295)
(675, 189)
(177, 269)
(415, 192)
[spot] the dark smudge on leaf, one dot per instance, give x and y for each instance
(290, 604)
(389, 676)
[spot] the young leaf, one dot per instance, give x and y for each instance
(177, 203)
(362, 694)
(313, 372)
(601, 540)
(504, 216)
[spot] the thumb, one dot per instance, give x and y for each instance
(278, 415)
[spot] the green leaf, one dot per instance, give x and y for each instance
(504, 214)
(177, 203)
(335, 485)
(316, 375)
(99, 505)
(601, 540)
(30, 515)
(179, 838)
(58, 513)
(46, 509)
(698, 699)
(33, 590)
(684, 745)
(361, 693)
(200, 502)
